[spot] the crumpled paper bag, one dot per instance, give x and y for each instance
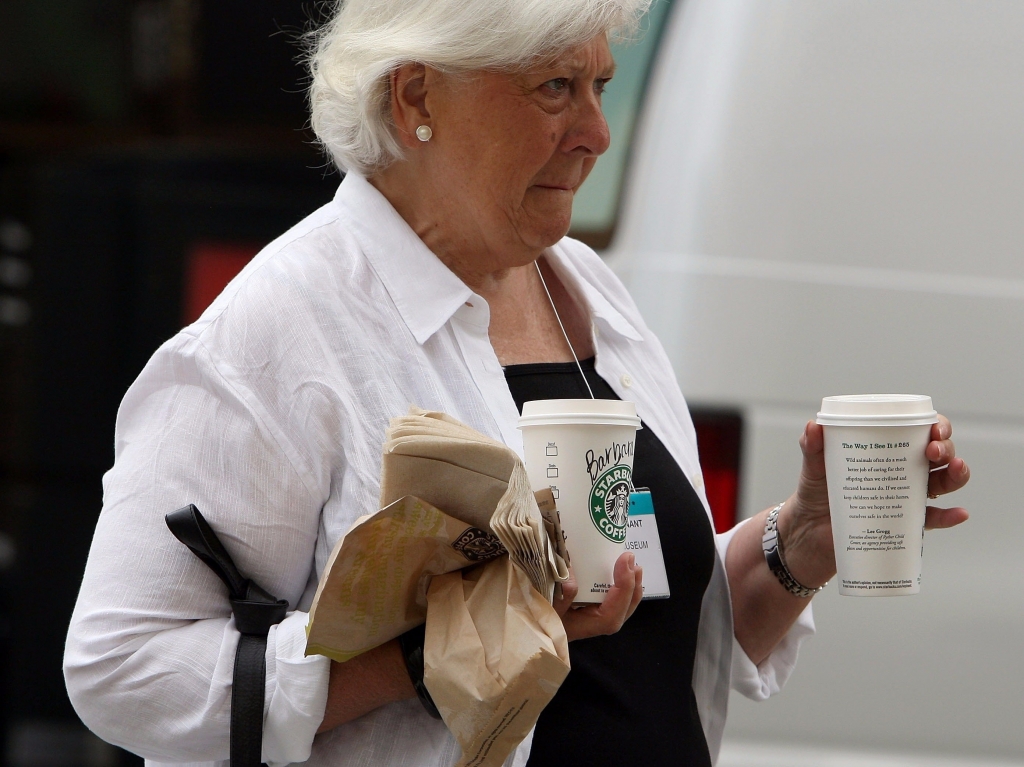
(510, 652)
(476, 479)
(495, 649)
(374, 587)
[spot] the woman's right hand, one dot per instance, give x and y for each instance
(609, 616)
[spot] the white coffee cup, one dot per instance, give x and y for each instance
(583, 450)
(877, 475)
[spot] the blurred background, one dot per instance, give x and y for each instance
(805, 199)
(148, 148)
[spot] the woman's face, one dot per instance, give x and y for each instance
(509, 151)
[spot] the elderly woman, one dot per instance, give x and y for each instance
(465, 128)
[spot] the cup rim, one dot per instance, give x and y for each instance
(578, 419)
(896, 419)
(877, 410)
(592, 412)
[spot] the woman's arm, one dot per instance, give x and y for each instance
(379, 677)
(763, 610)
(150, 649)
(366, 682)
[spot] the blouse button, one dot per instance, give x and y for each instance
(627, 380)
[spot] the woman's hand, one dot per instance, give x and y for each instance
(609, 616)
(804, 523)
(764, 611)
(948, 474)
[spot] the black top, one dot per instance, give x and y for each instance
(629, 697)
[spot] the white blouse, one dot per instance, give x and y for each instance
(269, 414)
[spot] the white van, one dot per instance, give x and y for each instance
(810, 198)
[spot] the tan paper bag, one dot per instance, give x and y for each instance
(441, 460)
(374, 586)
(495, 649)
(495, 654)
(473, 478)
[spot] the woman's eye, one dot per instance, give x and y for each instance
(600, 85)
(558, 85)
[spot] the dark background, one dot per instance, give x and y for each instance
(133, 134)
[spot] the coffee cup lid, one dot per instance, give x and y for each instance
(596, 412)
(877, 410)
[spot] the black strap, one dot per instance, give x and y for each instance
(255, 612)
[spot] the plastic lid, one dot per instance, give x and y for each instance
(877, 410)
(598, 412)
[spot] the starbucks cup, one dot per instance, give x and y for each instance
(583, 450)
(877, 475)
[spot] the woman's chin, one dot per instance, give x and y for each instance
(542, 240)
(546, 228)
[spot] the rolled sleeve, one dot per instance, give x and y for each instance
(296, 693)
(761, 681)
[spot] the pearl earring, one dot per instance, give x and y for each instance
(423, 133)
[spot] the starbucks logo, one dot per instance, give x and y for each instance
(478, 545)
(609, 502)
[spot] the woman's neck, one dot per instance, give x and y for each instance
(523, 326)
(445, 226)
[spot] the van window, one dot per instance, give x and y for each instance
(595, 208)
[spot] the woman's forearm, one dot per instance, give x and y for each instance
(763, 610)
(368, 681)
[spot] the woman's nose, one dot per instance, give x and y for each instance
(589, 132)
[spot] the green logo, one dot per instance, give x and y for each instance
(609, 502)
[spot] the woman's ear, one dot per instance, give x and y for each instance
(409, 101)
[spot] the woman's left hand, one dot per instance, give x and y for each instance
(583, 622)
(804, 522)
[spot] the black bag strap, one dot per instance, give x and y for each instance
(255, 612)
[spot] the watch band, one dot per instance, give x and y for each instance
(411, 643)
(771, 544)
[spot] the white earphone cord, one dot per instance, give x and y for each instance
(564, 334)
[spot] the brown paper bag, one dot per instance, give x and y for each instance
(495, 654)
(447, 464)
(473, 478)
(374, 586)
(495, 649)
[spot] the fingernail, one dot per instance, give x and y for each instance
(632, 561)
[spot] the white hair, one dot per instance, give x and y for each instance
(353, 55)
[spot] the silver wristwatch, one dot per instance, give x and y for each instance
(771, 543)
